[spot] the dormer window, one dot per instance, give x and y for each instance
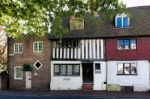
(76, 23)
(122, 21)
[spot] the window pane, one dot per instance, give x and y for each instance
(77, 23)
(35, 46)
(97, 66)
(76, 69)
(120, 69)
(127, 69)
(125, 21)
(133, 44)
(16, 48)
(120, 44)
(56, 70)
(40, 46)
(133, 68)
(119, 22)
(20, 48)
(126, 44)
(19, 73)
(69, 70)
(63, 70)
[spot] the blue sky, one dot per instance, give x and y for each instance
(131, 3)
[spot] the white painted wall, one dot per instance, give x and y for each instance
(66, 82)
(100, 78)
(140, 81)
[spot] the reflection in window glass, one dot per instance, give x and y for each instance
(133, 44)
(120, 44)
(120, 68)
(126, 44)
(127, 68)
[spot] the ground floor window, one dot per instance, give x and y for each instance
(127, 68)
(66, 69)
(18, 72)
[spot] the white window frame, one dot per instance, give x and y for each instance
(18, 44)
(122, 16)
(38, 46)
(15, 73)
(130, 66)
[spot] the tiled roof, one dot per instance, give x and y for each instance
(139, 26)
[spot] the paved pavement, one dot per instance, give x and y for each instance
(72, 94)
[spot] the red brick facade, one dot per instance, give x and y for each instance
(142, 51)
(41, 81)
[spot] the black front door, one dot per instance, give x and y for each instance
(87, 72)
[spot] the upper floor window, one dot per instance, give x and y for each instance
(18, 73)
(127, 69)
(126, 44)
(38, 46)
(122, 21)
(18, 48)
(76, 23)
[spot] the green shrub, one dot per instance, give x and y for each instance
(27, 67)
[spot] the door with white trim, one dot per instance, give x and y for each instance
(28, 80)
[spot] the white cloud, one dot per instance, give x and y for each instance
(131, 3)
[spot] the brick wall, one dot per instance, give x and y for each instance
(42, 79)
(142, 51)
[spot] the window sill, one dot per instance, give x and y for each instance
(18, 53)
(127, 74)
(126, 49)
(18, 78)
(10, 54)
(37, 51)
(66, 76)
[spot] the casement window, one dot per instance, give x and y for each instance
(76, 23)
(66, 69)
(127, 69)
(18, 73)
(126, 44)
(122, 21)
(67, 43)
(18, 48)
(38, 46)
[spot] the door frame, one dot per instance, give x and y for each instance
(92, 71)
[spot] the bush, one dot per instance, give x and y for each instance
(27, 67)
(3, 73)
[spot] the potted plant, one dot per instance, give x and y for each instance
(27, 67)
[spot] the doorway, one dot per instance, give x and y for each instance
(28, 80)
(87, 72)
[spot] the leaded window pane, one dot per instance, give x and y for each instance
(63, 70)
(69, 70)
(56, 70)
